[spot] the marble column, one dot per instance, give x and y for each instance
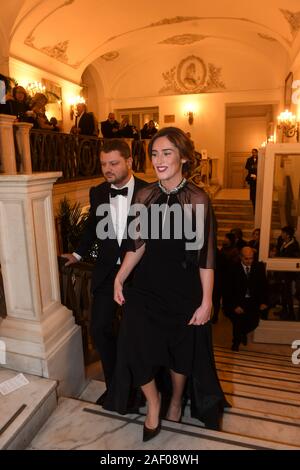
(23, 141)
(7, 146)
(40, 335)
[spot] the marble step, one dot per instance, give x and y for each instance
(261, 425)
(223, 230)
(243, 224)
(286, 359)
(246, 397)
(232, 215)
(291, 378)
(84, 426)
(266, 363)
(31, 405)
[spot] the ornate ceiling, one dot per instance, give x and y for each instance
(65, 36)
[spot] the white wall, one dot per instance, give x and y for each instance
(208, 129)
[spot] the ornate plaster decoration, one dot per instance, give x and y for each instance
(267, 37)
(293, 20)
(191, 75)
(174, 20)
(183, 39)
(57, 51)
(112, 55)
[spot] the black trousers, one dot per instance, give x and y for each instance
(245, 322)
(105, 325)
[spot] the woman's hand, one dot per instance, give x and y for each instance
(201, 315)
(118, 292)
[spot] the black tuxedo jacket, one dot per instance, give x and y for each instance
(251, 167)
(87, 124)
(107, 129)
(110, 250)
(257, 285)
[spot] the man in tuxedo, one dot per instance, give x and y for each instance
(110, 127)
(85, 123)
(117, 193)
(251, 167)
(247, 296)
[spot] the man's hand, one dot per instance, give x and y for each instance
(239, 310)
(263, 307)
(71, 259)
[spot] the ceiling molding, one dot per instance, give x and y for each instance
(184, 39)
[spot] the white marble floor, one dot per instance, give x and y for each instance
(25, 410)
(76, 425)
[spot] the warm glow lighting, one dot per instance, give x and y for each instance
(288, 123)
(190, 111)
(74, 101)
(35, 87)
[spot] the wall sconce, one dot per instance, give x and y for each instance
(288, 123)
(74, 101)
(33, 88)
(190, 115)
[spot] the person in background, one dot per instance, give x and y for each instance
(251, 178)
(110, 127)
(19, 105)
(254, 242)
(85, 122)
(247, 296)
(149, 130)
(239, 242)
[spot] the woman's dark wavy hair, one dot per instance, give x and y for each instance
(180, 140)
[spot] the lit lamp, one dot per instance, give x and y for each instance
(74, 101)
(190, 115)
(189, 112)
(35, 87)
(288, 123)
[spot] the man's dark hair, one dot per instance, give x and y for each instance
(290, 231)
(117, 144)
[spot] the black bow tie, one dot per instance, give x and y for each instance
(118, 192)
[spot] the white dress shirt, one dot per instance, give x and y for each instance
(119, 206)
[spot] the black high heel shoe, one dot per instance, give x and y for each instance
(151, 433)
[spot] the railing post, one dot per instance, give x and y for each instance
(7, 146)
(40, 334)
(22, 134)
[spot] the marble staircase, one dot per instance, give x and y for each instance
(232, 213)
(263, 389)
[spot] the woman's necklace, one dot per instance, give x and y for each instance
(174, 190)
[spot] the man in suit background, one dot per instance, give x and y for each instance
(117, 193)
(85, 123)
(251, 178)
(247, 298)
(110, 127)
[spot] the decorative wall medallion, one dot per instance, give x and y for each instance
(267, 37)
(112, 55)
(293, 19)
(192, 76)
(183, 39)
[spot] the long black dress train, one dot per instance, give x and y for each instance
(159, 303)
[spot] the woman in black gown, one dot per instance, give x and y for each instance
(167, 306)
